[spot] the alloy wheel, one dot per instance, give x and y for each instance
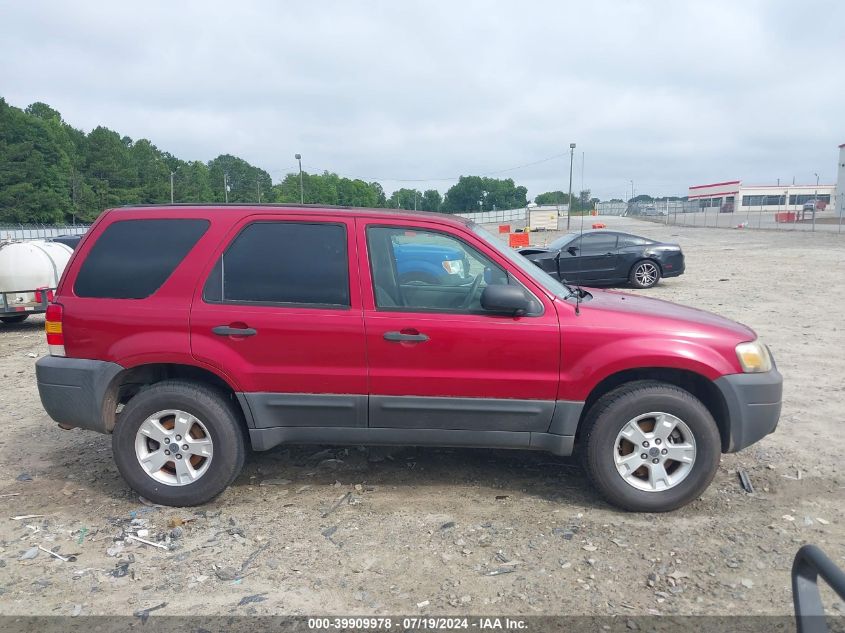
(174, 447)
(654, 452)
(646, 274)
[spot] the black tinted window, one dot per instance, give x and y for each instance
(598, 243)
(632, 240)
(133, 258)
(283, 262)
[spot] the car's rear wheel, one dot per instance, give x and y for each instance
(179, 443)
(644, 274)
(650, 446)
(17, 318)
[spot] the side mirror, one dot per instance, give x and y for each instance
(572, 250)
(506, 299)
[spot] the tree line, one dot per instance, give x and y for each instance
(51, 172)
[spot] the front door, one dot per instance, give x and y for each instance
(280, 312)
(594, 259)
(436, 359)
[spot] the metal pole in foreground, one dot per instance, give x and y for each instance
(301, 190)
(571, 158)
(171, 186)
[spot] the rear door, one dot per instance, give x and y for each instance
(437, 360)
(280, 312)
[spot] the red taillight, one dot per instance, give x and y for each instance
(53, 327)
(44, 294)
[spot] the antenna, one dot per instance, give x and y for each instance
(578, 291)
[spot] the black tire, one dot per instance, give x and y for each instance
(17, 318)
(218, 415)
(613, 411)
(640, 267)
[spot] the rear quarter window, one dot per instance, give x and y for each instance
(632, 240)
(133, 258)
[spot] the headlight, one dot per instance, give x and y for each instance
(754, 357)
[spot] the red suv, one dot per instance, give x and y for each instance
(188, 332)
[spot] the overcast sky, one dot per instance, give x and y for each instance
(666, 94)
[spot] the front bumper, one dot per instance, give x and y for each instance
(73, 390)
(754, 404)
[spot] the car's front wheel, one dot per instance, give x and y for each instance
(644, 274)
(179, 443)
(650, 446)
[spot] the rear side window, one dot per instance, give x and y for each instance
(283, 263)
(632, 240)
(133, 258)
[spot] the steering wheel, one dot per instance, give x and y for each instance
(472, 290)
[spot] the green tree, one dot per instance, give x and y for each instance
(152, 172)
(34, 169)
(192, 183)
(490, 192)
(407, 199)
(244, 180)
(552, 197)
(330, 189)
(432, 200)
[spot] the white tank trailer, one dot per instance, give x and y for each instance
(29, 272)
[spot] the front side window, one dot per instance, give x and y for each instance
(133, 258)
(429, 271)
(593, 243)
(283, 263)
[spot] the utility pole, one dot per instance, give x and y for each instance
(171, 186)
(226, 187)
(301, 190)
(571, 157)
(582, 176)
(259, 192)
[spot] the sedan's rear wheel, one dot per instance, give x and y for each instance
(644, 274)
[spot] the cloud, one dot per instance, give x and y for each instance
(666, 94)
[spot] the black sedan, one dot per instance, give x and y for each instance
(606, 257)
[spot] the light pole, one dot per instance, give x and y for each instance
(172, 173)
(571, 158)
(226, 186)
(301, 190)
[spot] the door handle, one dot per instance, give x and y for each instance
(398, 337)
(225, 330)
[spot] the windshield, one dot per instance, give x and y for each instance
(562, 241)
(541, 277)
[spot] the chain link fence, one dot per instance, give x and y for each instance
(39, 231)
(791, 218)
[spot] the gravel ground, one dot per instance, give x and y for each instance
(347, 530)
